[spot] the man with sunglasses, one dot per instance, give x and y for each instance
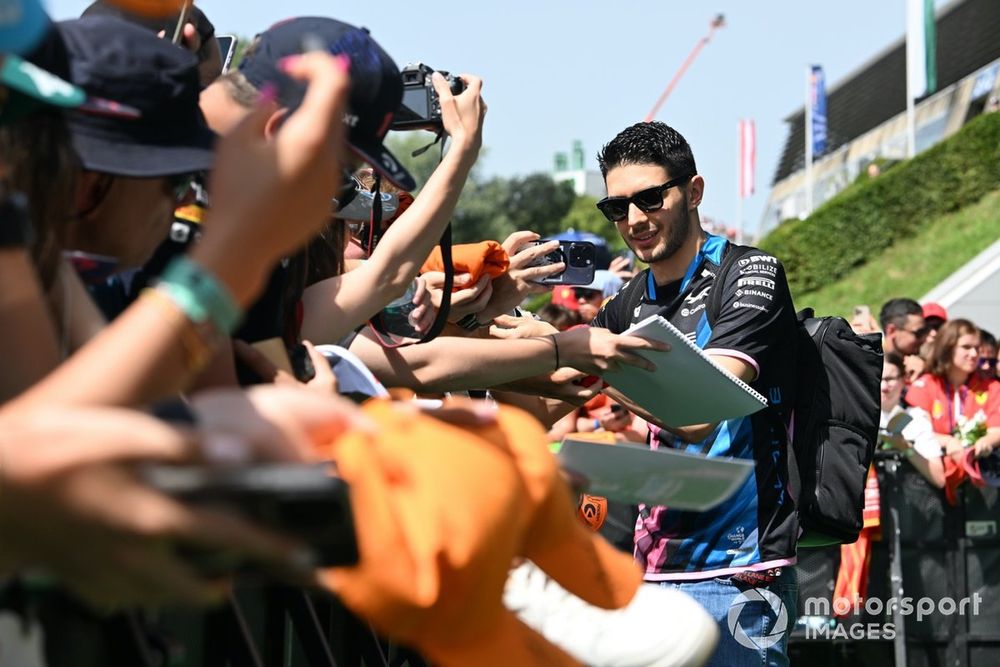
(903, 332)
(748, 542)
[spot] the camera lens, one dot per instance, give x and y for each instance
(579, 256)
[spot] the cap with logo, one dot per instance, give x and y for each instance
(376, 85)
(111, 58)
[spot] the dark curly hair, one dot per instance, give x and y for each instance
(649, 143)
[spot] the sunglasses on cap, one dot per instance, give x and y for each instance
(615, 209)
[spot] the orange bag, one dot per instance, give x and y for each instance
(476, 259)
(441, 512)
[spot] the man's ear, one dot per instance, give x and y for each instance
(696, 190)
(275, 122)
(91, 190)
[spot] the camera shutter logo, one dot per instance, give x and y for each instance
(774, 635)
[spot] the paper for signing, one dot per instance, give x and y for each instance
(636, 474)
(687, 387)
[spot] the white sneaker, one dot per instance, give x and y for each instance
(660, 627)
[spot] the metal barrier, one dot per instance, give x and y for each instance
(937, 552)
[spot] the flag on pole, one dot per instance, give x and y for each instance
(748, 157)
(817, 100)
(921, 48)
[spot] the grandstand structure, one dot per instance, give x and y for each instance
(866, 110)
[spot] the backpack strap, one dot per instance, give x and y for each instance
(714, 306)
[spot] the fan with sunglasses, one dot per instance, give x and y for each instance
(391, 326)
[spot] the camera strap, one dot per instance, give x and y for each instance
(375, 233)
(437, 139)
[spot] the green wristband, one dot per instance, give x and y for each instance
(200, 295)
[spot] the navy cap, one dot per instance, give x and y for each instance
(113, 59)
(376, 85)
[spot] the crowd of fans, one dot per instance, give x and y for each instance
(212, 270)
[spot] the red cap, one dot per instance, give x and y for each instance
(935, 310)
(565, 296)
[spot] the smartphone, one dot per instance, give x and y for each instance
(301, 500)
(227, 50)
(580, 258)
(862, 311)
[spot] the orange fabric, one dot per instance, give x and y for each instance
(872, 512)
(855, 559)
(441, 513)
(852, 578)
(159, 9)
(476, 259)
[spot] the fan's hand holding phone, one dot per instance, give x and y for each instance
(580, 258)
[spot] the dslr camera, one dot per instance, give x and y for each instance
(421, 108)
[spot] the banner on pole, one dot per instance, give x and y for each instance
(817, 100)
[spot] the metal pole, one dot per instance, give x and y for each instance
(739, 182)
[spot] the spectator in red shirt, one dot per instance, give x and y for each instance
(951, 394)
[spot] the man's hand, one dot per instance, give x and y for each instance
(561, 385)
(324, 382)
(913, 365)
(508, 326)
(471, 299)
(271, 422)
(422, 317)
(73, 505)
(596, 351)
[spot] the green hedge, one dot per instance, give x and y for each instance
(869, 217)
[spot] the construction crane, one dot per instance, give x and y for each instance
(718, 22)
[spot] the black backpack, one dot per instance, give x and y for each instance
(836, 419)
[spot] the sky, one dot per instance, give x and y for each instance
(559, 70)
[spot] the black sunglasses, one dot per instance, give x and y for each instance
(615, 209)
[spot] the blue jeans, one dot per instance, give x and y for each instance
(750, 619)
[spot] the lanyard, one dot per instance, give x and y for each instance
(956, 403)
(712, 242)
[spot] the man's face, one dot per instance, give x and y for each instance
(132, 219)
(656, 235)
(908, 338)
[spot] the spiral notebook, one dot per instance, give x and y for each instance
(688, 387)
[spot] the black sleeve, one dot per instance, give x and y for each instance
(613, 315)
(756, 317)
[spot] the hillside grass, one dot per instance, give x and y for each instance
(912, 266)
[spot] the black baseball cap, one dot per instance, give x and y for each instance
(376, 85)
(113, 59)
